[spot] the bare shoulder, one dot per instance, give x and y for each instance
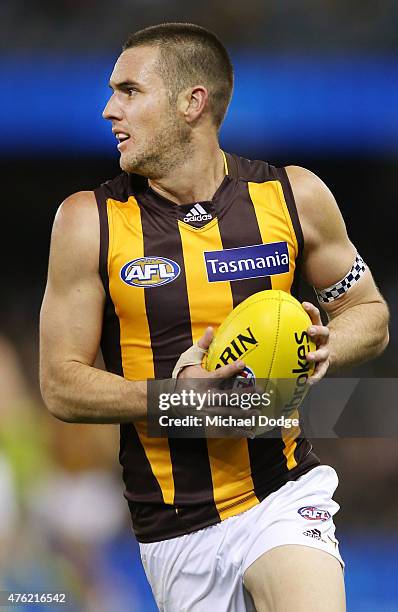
(75, 237)
(78, 212)
(317, 208)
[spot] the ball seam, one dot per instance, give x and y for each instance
(276, 340)
(237, 314)
(264, 299)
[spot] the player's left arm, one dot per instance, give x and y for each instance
(358, 319)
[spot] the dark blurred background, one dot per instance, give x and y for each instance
(317, 86)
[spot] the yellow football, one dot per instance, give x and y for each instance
(268, 331)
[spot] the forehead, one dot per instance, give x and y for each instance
(137, 64)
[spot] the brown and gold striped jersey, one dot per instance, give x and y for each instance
(165, 277)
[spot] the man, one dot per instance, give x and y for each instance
(210, 515)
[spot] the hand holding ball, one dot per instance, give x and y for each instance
(268, 331)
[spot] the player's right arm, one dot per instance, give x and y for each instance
(71, 324)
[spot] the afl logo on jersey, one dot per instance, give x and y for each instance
(149, 272)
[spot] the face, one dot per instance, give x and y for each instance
(152, 135)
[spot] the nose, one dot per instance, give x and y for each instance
(112, 109)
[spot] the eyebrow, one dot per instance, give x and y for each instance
(123, 85)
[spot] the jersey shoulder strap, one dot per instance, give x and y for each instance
(258, 171)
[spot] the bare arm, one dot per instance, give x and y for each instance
(358, 320)
(71, 323)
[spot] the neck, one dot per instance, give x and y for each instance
(196, 179)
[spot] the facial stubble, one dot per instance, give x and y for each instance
(163, 153)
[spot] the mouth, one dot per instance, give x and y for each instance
(122, 137)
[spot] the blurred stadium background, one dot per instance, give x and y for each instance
(316, 85)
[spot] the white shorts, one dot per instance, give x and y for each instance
(204, 570)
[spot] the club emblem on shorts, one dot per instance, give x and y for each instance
(149, 272)
(312, 513)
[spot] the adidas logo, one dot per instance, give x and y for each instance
(197, 213)
(314, 533)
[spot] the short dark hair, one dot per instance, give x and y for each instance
(190, 55)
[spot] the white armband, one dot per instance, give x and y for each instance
(335, 291)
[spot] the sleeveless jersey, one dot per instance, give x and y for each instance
(160, 296)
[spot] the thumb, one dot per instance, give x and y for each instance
(205, 341)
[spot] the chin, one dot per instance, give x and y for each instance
(132, 165)
(127, 165)
(123, 164)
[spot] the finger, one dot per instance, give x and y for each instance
(205, 341)
(313, 312)
(246, 433)
(319, 373)
(232, 369)
(322, 354)
(319, 333)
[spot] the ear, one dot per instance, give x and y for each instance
(192, 102)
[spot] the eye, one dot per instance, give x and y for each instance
(131, 91)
